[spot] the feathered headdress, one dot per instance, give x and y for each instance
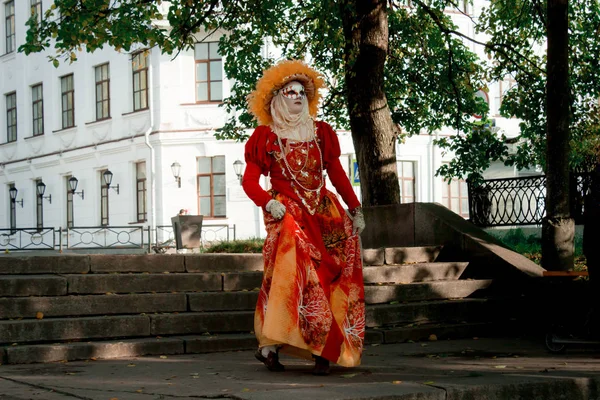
(276, 77)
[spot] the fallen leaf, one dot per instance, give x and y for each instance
(131, 365)
(139, 390)
(93, 358)
(245, 390)
(428, 383)
(348, 375)
(39, 315)
(432, 338)
(500, 366)
(423, 344)
(163, 357)
(396, 382)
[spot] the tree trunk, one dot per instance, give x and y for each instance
(373, 131)
(558, 228)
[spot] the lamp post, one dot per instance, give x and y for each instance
(13, 196)
(176, 169)
(73, 186)
(107, 176)
(41, 189)
(238, 167)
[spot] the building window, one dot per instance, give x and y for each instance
(503, 88)
(140, 178)
(37, 109)
(11, 117)
(406, 177)
(68, 101)
(211, 186)
(9, 13)
(140, 81)
(209, 73)
(13, 210)
(455, 196)
(36, 10)
(69, 197)
(103, 201)
(102, 92)
(39, 207)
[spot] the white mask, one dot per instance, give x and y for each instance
(294, 96)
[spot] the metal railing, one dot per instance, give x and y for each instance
(27, 239)
(209, 234)
(520, 201)
(105, 237)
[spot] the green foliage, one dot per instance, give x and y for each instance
(517, 31)
(529, 245)
(431, 75)
(254, 245)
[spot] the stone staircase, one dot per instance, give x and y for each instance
(70, 307)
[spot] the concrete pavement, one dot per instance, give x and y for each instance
(471, 369)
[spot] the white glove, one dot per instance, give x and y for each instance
(276, 209)
(358, 220)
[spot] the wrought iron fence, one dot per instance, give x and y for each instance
(520, 201)
(209, 234)
(105, 237)
(27, 239)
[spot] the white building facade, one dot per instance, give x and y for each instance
(137, 115)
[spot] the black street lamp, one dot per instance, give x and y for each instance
(176, 169)
(238, 167)
(73, 186)
(41, 189)
(107, 175)
(13, 196)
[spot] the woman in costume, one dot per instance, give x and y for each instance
(311, 303)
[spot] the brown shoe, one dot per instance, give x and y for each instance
(321, 366)
(271, 361)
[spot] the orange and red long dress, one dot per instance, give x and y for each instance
(312, 297)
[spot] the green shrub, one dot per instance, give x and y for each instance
(253, 245)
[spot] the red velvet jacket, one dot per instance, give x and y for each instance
(259, 157)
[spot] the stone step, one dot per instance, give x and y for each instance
(56, 264)
(409, 255)
(377, 294)
(143, 283)
(60, 329)
(190, 323)
(223, 301)
(32, 285)
(58, 306)
(435, 311)
(418, 272)
(419, 332)
(189, 344)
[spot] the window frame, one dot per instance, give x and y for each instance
(10, 110)
(141, 194)
(100, 83)
(447, 196)
(39, 207)
(69, 205)
(402, 179)
(37, 104)
(12, 211)
(138, 72)
(104, 220)
(65, 94)
(9, 31)
(212, 195)
(208, 80)
(36, 9)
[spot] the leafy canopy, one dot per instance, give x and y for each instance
(431, 74)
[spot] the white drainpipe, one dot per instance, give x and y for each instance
(152, 157)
